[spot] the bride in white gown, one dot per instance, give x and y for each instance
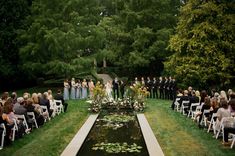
(108, 89)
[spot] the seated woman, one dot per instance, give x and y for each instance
(44, 101)
(30, 108)
(231, 128)
(206, 105)
(5, 120)
(179, 95)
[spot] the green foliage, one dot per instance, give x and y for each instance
(203, 44)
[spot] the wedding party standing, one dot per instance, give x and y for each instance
(78, 89)
(91, 87)
(108, 89)
(84, 89)
(115, 88)
(73, 86)
(66, 89)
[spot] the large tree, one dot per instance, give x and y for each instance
(203, 45)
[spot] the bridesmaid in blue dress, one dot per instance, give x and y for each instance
(73, 85)
(84, 89)
(78, 89)
(66, 90)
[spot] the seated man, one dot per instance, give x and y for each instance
(59, 96)
(44, 101)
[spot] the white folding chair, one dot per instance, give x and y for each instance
(220, 126)
(22, 118)
(185, 105)
(204, 118)
(32, 116)
(59, 106)
(233, 140)
(14, 129)
(212, 123)
(197, 111)
(191, 111)
(45, 113)
(177, 105)
(3, 135)
(53, 107)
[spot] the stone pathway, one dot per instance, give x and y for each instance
(105, 78)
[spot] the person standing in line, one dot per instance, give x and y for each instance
(161, 87)
(173, 88)
(149, 87)
(166, 88)
(66, 89)
(122, 88)
(108, 89)
(136, 81)
(143, 82)
(91, 88)
(115, 88)
(155, 88)
(78, 89)
(84, 89)
(73, 85)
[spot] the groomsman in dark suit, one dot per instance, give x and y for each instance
(155, 88)
(115, 88)
(166, 88)
(149, 86)
(173, 88)
(161, 87)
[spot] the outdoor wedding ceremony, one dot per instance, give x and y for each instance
(117, 78)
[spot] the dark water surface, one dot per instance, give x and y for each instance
(129, 133)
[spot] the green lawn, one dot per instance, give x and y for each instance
(177, 135)
(180, 136)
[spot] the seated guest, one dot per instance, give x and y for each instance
(231, 104)
(8, 124)
(19, 108)
(197, 93)
(193, 99)
(50, 96)
(203, 95)
(223, 95)
(14, 97)
(231, 128)
(206, 105)
(45, 102)
(30, 108)
(223, 111)
(59, 96)
(185, 97)
(4, 98)
(179, 94)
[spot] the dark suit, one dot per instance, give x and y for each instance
(161, 88)
(149, 85)
(46, 102)
(155, 89)
(115, 89)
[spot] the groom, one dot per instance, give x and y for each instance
(115, 88)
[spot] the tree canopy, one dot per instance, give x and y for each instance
(203, 44)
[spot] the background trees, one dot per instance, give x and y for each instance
(58, 39)
(204, 44)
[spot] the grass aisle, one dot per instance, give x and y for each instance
(180, 136)
(53, 137)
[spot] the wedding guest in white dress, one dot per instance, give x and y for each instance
(66, 90)
(73, 85)
(108, 89)
(91, 88)
(84, 89)
(78, 89)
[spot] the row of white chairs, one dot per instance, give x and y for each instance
(57, 107)
(212, 124)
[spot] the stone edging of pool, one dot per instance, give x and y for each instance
(151, 142)
(153, 147)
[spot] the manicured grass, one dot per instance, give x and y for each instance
(180, 136)
(176, 134)
(54, 136)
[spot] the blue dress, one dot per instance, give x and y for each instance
(66, 92)
(78, 91)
